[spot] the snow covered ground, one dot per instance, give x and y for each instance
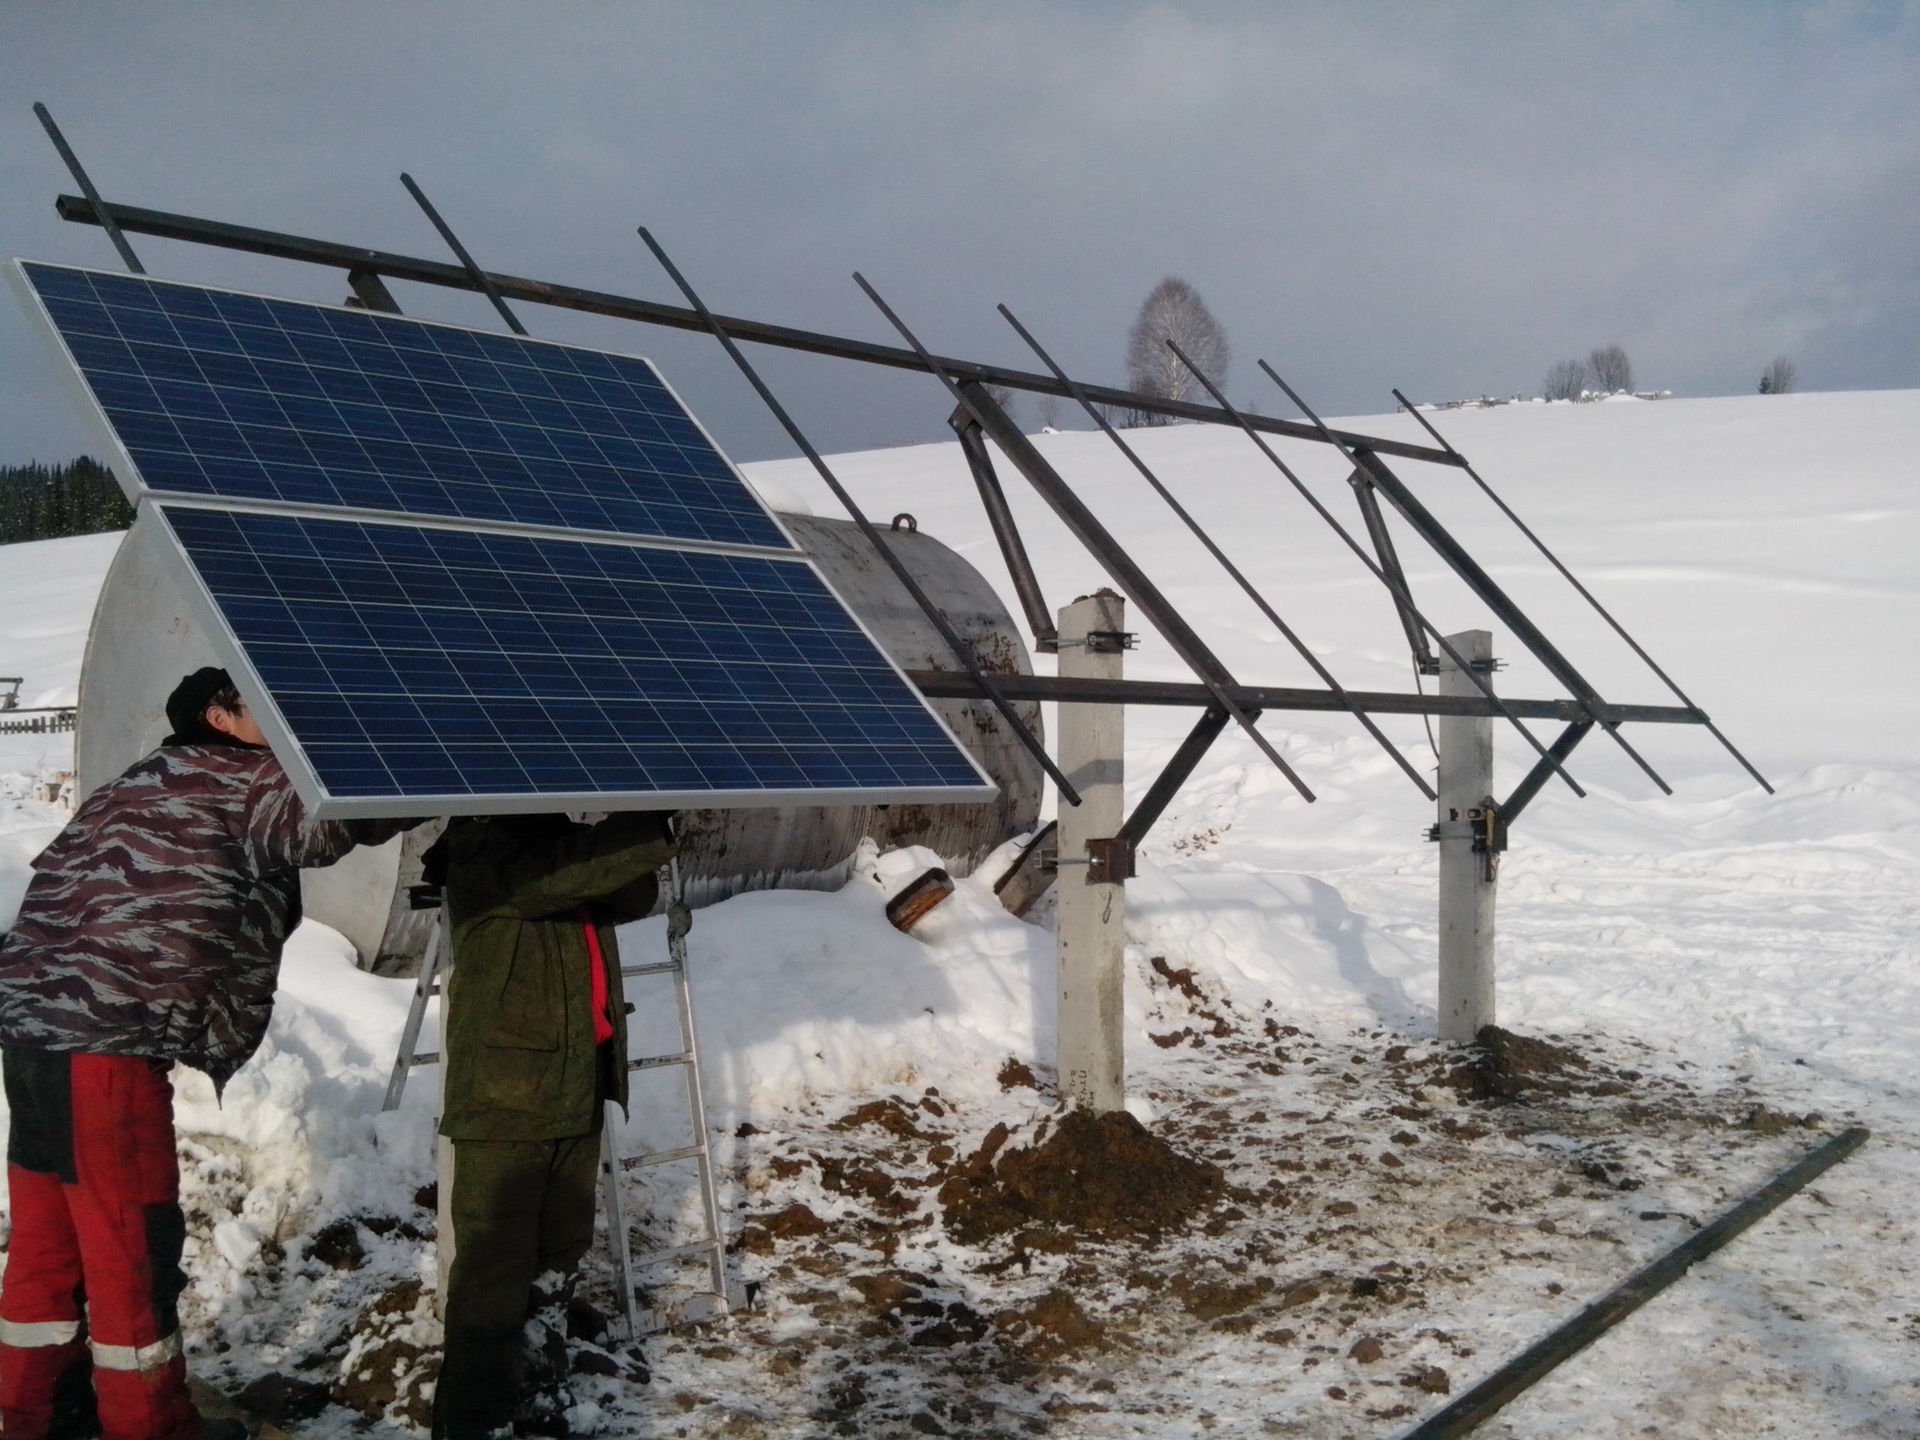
(1727, 963)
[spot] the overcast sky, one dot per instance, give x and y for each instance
(1443, 197)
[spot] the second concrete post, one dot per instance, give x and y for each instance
(1466, 868)
(1092, 917)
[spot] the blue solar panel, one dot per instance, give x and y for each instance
(245, 398)
(433, 665)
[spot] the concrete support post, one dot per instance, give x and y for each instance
(1466, 871)
(1092, 917)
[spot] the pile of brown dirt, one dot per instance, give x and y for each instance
(1095, 1175)
(1507, 1066)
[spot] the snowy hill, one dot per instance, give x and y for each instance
(1723, 960)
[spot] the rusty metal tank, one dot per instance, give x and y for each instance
(146, 634)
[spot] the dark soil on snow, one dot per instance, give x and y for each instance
(1311, 1208)
(1503, 1066)
(1102, 1175)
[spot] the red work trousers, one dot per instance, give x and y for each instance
(93, 1271)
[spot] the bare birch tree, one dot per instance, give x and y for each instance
(1778, 378)
(1565, 381)
(1611, 370)
(1174, 311)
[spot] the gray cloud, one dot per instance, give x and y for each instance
(1447, 198)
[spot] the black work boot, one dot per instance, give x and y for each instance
(547, 1392)
(76, 1410)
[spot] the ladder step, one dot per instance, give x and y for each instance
(675, 1252)
(688, 1310)
(654, 1062)
(425, 1057)
(657, 967)
(661, 1157)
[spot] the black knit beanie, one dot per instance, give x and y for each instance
(187, 707)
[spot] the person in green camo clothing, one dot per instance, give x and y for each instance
(535, 1044)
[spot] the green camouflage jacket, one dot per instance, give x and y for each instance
(520, 1057)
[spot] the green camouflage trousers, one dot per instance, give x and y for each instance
(522, 1219)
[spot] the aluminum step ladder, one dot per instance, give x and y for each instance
(426, 987)
(718, 1298)
(636, 1318)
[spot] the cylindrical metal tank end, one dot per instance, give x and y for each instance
(145, 637)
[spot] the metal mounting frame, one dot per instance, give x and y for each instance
(979, 418)
(1425, 662)
(1212, 547)
(1013, 551)
(137, 220)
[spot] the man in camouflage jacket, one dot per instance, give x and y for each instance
(150, 932)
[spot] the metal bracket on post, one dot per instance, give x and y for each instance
(1489, 837)
(1111, 642)
(1109, 860)
(1033, 874)
(1487, 828)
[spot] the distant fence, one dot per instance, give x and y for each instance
(38, 722)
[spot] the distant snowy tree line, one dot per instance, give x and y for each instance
(46, 502)
(1605, 371)
(1608, 371)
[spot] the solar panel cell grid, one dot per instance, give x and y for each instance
(416, 662)
(246, 398)
(416, 666)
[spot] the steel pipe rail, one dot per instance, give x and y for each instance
(103, 215)
(467, 262)
(171, 226)
(957, 685)
(1478, 1405)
